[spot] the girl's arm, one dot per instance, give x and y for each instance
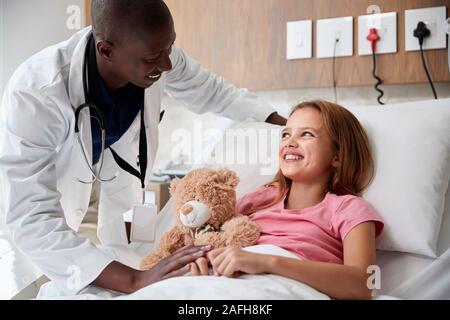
(347, 281)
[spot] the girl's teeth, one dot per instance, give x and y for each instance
(292, 157)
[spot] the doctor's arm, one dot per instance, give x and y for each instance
(203, 91)
(119, 277)
(340, 281)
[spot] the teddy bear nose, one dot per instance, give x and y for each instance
(186, 209)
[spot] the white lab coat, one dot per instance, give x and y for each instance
(40, 158)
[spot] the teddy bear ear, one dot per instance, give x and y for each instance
(173, 186)
(228, 177)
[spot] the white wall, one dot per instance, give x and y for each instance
(29, 26)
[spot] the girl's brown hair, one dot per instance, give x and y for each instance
(356, 168)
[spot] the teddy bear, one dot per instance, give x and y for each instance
(204, 204)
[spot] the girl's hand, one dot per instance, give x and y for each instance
(230, 260)
(199, 267)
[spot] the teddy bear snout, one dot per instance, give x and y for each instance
(194, 214)
(186, 209)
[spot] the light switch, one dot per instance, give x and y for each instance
(327, 32)
(299, 40)
(386, 25)
(435, 20)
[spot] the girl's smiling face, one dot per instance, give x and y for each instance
(307, 153)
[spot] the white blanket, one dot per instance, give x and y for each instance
(245, 287)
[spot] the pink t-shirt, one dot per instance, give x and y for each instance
(314, 233)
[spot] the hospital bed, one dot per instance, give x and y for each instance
(411, 143)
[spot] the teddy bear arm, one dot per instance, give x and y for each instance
(214, 239)
(240, 231)
(170, 242)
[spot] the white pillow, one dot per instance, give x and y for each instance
(411, 147)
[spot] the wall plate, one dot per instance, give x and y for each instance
(299, 40)
(435, 19)
(327, 32)
(386, 25)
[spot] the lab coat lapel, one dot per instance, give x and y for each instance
(74, 194)
(76, 95)
(152, 113)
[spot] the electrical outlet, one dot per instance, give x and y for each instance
(435, 20)
(299, 40)
(327, 32)
(386, 25)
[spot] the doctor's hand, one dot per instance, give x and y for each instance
(275, 118)
(230, 261)
(174, 265)
(121, 278)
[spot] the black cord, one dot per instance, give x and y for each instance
(334, 71)
(427, 73)
(421, 33)
(379, 81)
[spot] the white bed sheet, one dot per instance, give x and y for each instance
(429, 283)
(246, 287)
(398, 267)
(410, 276)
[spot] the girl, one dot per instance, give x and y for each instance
(311, 208)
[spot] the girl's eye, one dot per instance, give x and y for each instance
(307, 134)
(284, 135)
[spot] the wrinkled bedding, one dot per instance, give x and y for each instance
(245, 287)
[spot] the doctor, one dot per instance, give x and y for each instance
(51, 148)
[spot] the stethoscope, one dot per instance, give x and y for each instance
(97, 114)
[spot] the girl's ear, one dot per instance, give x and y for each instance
(173, 186)
(336, 161)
